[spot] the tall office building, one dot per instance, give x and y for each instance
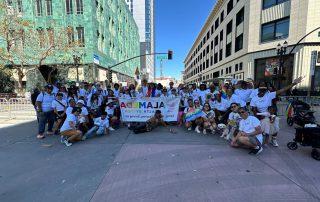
(143, 14)
(240, 39)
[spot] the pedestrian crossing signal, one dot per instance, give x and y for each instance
(170, 54)
(110, 76)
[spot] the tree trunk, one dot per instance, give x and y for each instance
(20, 77)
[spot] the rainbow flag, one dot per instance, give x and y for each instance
(193, 115)
(289, 111)
(223, 90)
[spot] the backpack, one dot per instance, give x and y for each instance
(34, 96)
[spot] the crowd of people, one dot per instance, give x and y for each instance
(242, 112)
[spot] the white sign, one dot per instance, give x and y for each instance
(142, 109)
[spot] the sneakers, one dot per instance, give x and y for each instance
(197, 130)
(189, 129)
(204, 131)
(84, 138)
(274, 142)
(68, 144)
(62, 139)
(111, 129)
(256, 151)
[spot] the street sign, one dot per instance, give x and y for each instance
(96, 59)
(313, 62)
(162, 57)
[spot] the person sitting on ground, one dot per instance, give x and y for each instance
(59, 106)
(191, 114)
(100, 128)
(113, 119)
(220, 107)
(72, 104)
(209, 122)
(83, 117)
(250, 133)
(69, 131)
(151, 124)
(233, 122)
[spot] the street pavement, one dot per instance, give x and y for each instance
(156, 166)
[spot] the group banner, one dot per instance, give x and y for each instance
(142, 109)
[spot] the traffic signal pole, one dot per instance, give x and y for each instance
(169, 53)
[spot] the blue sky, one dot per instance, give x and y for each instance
(178, 23)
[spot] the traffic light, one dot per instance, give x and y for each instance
(110, 76)
(170, 54)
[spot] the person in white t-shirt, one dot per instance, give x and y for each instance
(233, 122)
(220, 107)
(243, 91)
(233, 98)
(250, 133)
(59, 108)
(100, 128)
(69, 131)
(202, 93)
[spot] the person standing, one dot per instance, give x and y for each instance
(45, 111)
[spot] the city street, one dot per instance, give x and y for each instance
(157, 166)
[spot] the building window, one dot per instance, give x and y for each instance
(240, 17)
(227, 70)
(211, 45)
(240, 66)
(20, 6)
(270, 3)
(208, 49)
(51, 36)
(236, 68)
(41, 38)
(239, 43)
(79, 4)
(221, 72)
(211, 60)
(275, 30)
(215, 58)
(70, 35)
(221, 16)
(221, 35)
(220, 54)
(216, 39)
(69, 7)
(39, 7)
(229, 6)
(208, 35)
(80, 32)
(229, 27)
(228, 49)
(230, 70)
(216, 24)
(212, 29)
(49, 7)
(207, 63)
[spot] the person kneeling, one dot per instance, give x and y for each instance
(250, 133)
(69, 132)
(100, 128)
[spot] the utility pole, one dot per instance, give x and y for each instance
(161, 68)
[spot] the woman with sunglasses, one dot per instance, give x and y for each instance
(209, 122)
(250, 133)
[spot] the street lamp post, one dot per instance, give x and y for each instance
(281, 52)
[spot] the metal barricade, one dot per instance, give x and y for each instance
(4, 108)
(21, 108)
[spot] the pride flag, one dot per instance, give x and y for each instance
(289, 110)
(223, 90)
(193, 115)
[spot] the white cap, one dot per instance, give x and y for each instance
(81, 102)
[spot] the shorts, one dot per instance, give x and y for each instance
(254, 140)
(59, 115)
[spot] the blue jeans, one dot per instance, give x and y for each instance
(44, 118)
(95, 130)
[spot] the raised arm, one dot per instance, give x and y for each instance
(295, 82)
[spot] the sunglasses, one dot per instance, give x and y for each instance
(234, 106)
(242, 112)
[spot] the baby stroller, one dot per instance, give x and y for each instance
(299, 113)
(307, 137)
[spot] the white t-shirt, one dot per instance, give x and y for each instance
(69, 110)
(110, 110)
(46, 101)
(262, 103)
(248, 126)
(66, 125)
(236, 99)
(233, 116)
(116, 93)
(202, 95)
(83, 92)
(244, 94)
(59, 107)
(84, 111)
(101, 123)
(221, 106)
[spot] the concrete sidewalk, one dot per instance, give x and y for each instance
(157, 166)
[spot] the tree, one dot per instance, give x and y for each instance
(6, 81)
(24, 46)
